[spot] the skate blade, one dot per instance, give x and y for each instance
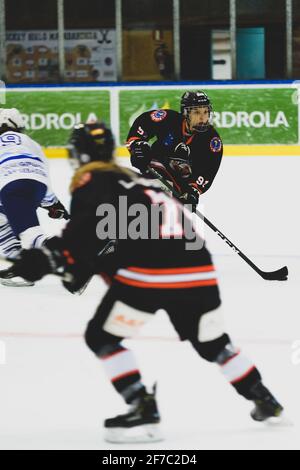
(279, 421)
(16, 282)
(137, 434)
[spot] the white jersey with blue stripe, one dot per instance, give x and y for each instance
(23, 158)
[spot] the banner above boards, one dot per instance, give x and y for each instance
(51, 115)
(243, 116)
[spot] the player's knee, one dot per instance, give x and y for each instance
(211, 325)
(211, 338)
(99, 341)
(211, 350)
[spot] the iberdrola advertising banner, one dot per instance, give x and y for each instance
(50, 115)
(242, 116)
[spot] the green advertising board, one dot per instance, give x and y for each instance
(242, 116)
(260, 115)
(51, 114)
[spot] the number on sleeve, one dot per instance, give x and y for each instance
(8, 139)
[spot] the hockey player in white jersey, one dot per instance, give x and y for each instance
(24, 186)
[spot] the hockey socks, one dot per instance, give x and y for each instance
(122, 370)
(10, 246)
(141, 422)
(246, 379)
(238, 370)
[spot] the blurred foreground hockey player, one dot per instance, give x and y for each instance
(187, 151)
(158, 270)
(24, 186)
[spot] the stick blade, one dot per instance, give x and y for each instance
(279, 275)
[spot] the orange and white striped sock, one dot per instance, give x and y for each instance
(122, 370)
(239, 370)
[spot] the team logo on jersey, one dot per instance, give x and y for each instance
(215, 144)
(158, 115)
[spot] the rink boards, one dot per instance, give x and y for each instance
(229, 151)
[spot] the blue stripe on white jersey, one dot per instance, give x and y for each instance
(19, 157)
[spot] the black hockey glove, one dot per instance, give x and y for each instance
(57, 211)
(191, 197)
(74, 275)
(179, 161)
(141, 154)
(34, 264)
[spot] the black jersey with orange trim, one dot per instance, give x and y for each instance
(169, 129)
(169, 256)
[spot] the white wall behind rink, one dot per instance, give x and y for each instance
(254, 201)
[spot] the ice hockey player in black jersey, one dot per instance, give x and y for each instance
(90, 141)
(146, 272)
(188, 150)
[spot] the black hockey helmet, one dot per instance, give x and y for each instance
(89, 142)
(196, 99)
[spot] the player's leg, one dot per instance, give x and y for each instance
(21, 199)
(10, 246)
(203, 326)
(115, 320)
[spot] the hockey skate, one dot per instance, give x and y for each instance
(267, 408)
(9, 279)
(139, 425)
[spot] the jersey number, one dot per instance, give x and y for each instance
(171, 226)
(8, 139)
(202, 182)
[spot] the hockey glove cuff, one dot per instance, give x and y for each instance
(57, 211)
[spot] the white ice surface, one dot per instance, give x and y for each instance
(53, 391)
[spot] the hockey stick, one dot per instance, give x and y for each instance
(277, 275)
